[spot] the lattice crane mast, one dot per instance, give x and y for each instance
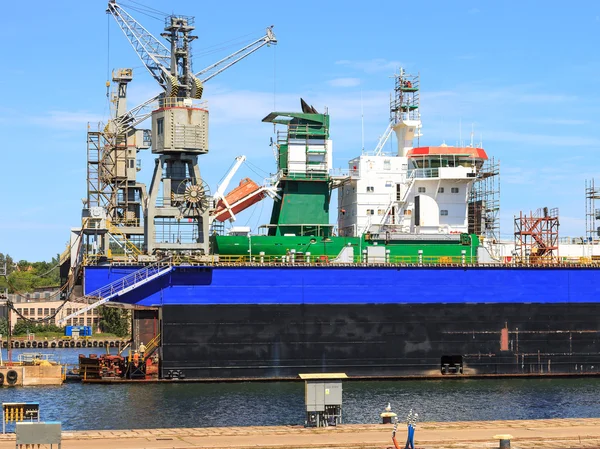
(171, 68)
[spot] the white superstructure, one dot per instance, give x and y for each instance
(423, 190)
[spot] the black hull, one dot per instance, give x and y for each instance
(379, 340)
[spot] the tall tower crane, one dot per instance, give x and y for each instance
(176, 207)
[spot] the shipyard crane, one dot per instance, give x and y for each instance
(163, 65)
(112, 183)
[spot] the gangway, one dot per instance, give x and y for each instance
(123, 285)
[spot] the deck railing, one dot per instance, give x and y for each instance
(299, 259)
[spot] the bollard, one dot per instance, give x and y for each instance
(504, 440)
(387, 416)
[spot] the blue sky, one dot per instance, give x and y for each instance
(523, 74)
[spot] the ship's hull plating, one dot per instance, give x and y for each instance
(243, 341)
(278, 322)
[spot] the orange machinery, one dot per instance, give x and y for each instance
(239, 199)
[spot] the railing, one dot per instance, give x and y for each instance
(330, 259)
(424, 173)
(123, 285)
(304, 259)
(128, 245)
(303, 175)
(131, 280)
(177, 102)
(152, 346)
(36, 357)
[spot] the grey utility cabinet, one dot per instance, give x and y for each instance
(323, 398)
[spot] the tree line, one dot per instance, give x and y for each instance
(24, 276)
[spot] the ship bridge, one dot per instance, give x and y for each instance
(445, 162)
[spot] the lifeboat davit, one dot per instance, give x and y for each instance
(239, 199)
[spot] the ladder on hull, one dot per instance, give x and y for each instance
(152, 346)
(122, 286)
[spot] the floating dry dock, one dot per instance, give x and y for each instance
(549, 434)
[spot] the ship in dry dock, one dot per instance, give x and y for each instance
(412, 280)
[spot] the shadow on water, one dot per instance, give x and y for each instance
(126, 406)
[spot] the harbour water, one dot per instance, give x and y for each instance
(129, 406)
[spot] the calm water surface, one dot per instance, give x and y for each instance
(128, 406)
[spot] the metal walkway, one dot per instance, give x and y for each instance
(123, 285)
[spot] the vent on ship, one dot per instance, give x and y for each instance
(452, 364)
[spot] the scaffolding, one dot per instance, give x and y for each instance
(592, 214)
(98, 191)
(404, 104)
(484, 202)
(536, 237)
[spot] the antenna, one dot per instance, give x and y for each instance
(362, 121)
(460, 132)
(472, 133)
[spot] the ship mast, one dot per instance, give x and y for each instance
(405, 118)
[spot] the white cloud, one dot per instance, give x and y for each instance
(371, 66)
(31, 225)
(66, 120)
(252, 106)
(545, 140)
(344, 82)
(517, 175)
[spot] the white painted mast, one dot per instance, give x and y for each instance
(404, 111)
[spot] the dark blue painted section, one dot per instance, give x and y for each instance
(356, 285)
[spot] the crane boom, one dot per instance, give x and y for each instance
(155, 56)
(141, 112)
(268, 39)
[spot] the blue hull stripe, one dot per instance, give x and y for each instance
(356, 285)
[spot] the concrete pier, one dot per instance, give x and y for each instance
(529, 434)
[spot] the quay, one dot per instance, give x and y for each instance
(526, 434)
(23, 343)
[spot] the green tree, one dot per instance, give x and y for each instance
(114, 321)
(26, 276)
(23, 327)
(6, 259)
(3, 327)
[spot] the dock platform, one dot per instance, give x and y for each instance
(527, 434)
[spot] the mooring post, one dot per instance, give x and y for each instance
(504, 440)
